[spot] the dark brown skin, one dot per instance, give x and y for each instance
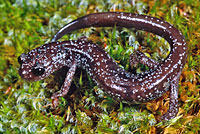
(42, 61)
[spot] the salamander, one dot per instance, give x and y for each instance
(116, 81)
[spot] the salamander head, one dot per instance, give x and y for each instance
(42, 61)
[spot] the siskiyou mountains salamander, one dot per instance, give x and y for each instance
(44, 60)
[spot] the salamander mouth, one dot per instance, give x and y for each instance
(28, 77)
(22, 75)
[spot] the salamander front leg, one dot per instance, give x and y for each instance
(139, 57)
(173, 104)
(66, 85)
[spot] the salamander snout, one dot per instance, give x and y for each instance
(30, 68)
(22, 58)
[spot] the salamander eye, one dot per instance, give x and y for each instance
(38, 71)
(21, 58)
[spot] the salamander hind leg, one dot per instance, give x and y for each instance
(65, 87)
(139, 57)
(173, 104)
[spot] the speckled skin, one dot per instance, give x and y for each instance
(42, 61)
